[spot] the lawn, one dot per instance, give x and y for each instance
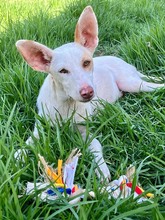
(132, 131)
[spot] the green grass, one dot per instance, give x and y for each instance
(132, 131)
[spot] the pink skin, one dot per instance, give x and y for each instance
(87, 92)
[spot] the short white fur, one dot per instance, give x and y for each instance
(71, 86)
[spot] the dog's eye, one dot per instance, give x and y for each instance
(86, 63)
(64, 71)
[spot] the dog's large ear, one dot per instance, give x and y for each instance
(36, 55)
(86, 32)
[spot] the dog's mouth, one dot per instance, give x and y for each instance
(86, 99)
(82, 100)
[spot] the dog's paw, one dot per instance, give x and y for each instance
(103, 172)
(29, 141)
(20, 155)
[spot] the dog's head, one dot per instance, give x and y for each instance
(71, 65)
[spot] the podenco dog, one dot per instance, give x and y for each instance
(75, 78)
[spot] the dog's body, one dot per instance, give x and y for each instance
(75, 78)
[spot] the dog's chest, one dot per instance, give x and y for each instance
(78, 110)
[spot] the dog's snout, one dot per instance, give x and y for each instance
(87, 92)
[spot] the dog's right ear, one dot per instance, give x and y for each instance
(36, 55)
(86, 32)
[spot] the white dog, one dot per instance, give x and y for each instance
(75, 78)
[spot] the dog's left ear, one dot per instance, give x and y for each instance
(86, 32)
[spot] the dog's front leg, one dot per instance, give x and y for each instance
(96, 148)
(30, 141)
